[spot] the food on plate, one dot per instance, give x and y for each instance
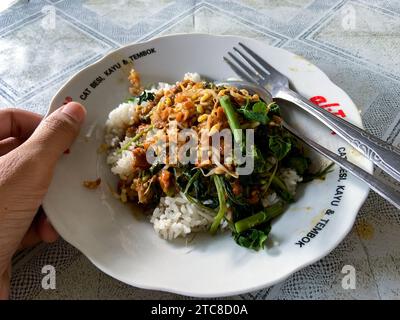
(168, 147)
(92, 184)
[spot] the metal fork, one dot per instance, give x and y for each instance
(249, 66)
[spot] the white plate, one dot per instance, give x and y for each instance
(125, 246)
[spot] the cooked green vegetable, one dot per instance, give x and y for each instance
(258, 112)
(256, 219)
(241, 207)
(244, 201)
(253, 238)
(260, 164)
(156, 167)
(299, 163)
(274, 109)
(280, 146)
(222, 203)
(281, 189)
(271, 178)
(233, 121)
(135, 138)
(192, 180)
(145, 96)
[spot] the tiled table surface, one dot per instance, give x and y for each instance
(356, 42)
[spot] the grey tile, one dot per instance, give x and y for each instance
(371, 39)
(4, 103)
(276, 9)
(286, 17)
(208, 19)
(124, 21)
(20, 11)
(384, 107)
(389, 5)
(40, 103)
(30, 62)
(125, 13)
(374, 94)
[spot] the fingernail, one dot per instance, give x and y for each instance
(75, 110)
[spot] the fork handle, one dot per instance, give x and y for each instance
(378, 186)
(381, 153)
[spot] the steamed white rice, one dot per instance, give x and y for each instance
(291, 179)
(177, 217)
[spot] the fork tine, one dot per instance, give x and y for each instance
(250, 72)
(238, 71)
(262, 72)
(260, 60)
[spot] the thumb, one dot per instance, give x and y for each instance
(56, 133)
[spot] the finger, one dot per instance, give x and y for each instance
(46, 231)
(40, 230)
(5, 279)
(9, 144)
(56, 133)
(18, 123)
(31, 238)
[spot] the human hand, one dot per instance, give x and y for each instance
(29, 150)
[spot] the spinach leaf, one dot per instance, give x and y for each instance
(299, 163)
(280, 146)
(219, 185)
(196, 187)
(273, 109)
(280, 188)
(253, 238)
(205, 204)
(232, 198)
(191, 181)
(156, 167)
(146, 96)
(249, 179)
(258, 112)
(209, 85)
(261, 138)
(260, 165)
